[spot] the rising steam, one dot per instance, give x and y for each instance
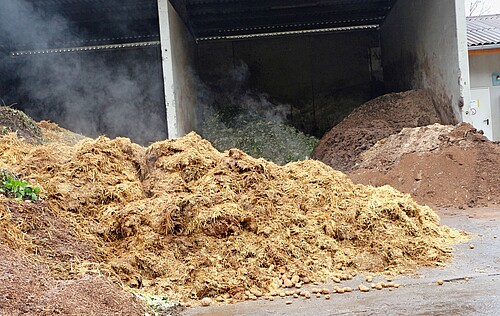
(237, 117)
(117, 93)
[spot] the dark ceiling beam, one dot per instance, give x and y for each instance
(214, 31)
(239, 11)
(84, 2)
(286, 17)
(103, 15)
(215, 17)
(105, 21)
(78, 10)
(99, 11)
(83, 9)
(125, 21)
(215, 34)
(221, 7)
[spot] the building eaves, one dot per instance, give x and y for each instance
(483, 31)
(213, 19)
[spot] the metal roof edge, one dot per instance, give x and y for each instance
(484, 47)
(285, 33)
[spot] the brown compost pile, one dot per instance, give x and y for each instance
(15, 121)
(183, 219)
(26, 288)
(371, 122)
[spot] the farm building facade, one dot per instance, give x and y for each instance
(146, 69)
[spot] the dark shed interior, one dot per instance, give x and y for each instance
(95, 66)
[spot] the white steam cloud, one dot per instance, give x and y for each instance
(232, 94)
(237, 117)
(117, 93)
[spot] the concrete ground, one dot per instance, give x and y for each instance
(471, 282)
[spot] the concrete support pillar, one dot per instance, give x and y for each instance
(168, 68)
(463, 58)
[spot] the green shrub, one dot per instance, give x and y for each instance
(260, 138)
(18, 189)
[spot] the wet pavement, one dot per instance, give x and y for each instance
(471, 282)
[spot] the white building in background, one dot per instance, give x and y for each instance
(483, 40)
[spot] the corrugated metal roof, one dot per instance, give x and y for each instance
(483, 30)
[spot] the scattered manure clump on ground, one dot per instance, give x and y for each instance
(183, 219)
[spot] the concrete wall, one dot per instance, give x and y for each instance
(481, 69)
(184, 63)
(179, 61)
(424, 46)
(323, 77)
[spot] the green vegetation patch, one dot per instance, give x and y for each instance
(260, 138)
(15, 188)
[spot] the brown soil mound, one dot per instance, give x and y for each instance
(35, 228)
(27, 289)
(184, 219)
(438, 165)
(371, 122)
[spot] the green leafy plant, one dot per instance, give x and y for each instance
(16, 188)
(4, 130)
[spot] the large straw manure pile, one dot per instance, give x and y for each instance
(183, 219)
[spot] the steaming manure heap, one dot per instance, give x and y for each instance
(182, 218)
(372, 122)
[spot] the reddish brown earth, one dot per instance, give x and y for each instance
(36, 246)
(26, 288)
(371, 122)
(390, 141)
(438, 165)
